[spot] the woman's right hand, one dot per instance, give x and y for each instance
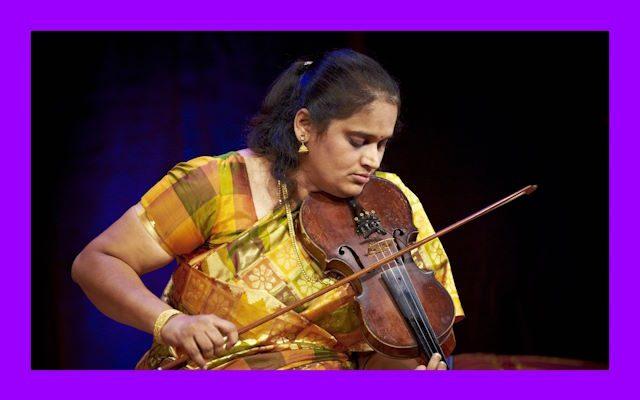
(202, 337)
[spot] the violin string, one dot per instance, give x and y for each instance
(429, 327)
(387, 267)
(433, 341)
(432, 334)
(429, 337)
(434, 345)
(420, 332)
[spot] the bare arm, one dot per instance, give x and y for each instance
(109, 268)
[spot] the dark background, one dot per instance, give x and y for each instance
(485, 114)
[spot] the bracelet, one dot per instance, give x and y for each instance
(161, 321)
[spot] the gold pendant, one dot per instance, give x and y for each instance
(303, 148)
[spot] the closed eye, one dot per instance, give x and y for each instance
(357, 142)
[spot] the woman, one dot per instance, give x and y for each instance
(229, 222)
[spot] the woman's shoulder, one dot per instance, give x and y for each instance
(206, 165)
(186, 203)
(200, 176)
(199, 161)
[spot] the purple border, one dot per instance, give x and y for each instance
(22, 17)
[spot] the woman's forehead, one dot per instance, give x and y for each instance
(377, 120)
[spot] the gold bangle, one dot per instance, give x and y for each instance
(161, 321)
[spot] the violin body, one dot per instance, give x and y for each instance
(400, 305)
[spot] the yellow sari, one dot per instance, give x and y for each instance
(241, 269)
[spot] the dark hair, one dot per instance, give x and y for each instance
(336, 86)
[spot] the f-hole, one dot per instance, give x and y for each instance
(347, 252)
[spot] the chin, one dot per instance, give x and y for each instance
(352, 190)
(345, 190)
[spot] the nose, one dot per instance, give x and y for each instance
(371, 157)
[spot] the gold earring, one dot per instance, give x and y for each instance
(303, 148)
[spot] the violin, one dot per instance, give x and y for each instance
(404, 311)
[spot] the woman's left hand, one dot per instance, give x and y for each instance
(435, 363)
(381, 362)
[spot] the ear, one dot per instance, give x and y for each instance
(302, 125)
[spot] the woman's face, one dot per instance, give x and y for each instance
(340, 161)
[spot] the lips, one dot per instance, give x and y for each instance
(362, 178)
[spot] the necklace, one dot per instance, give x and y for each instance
(283, 195)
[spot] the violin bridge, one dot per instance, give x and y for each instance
(380, 247)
